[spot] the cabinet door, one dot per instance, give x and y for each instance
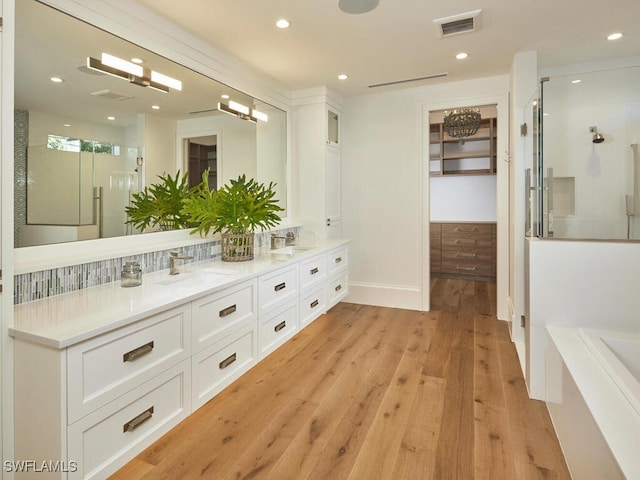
(333, 185)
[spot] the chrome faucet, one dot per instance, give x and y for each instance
(277, 241)
(174, 258)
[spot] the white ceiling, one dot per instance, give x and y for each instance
(398, 39)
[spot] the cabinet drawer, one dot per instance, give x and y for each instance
(220, 364)
(462, 267)
(217, 315)
(277, 288)
(337, 259)
(312, 305)
(277, 328)
(110, 365)
(313, 272)
(337, 289)
(466, 235)
(104, 440)
(467, 254)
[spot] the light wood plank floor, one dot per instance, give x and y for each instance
(369, 393)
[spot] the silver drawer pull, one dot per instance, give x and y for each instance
(134, 423)
(338, 260)
(137, 352)
(462, 230)
(338, 288)
(469, 269)
(280, 326)
(314, 304)
(227, 311)
(313, 271)
(280, 286)
(465, 241)
(463, 254)
(227, 361)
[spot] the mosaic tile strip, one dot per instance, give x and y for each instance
(48, 283)
(20, 142)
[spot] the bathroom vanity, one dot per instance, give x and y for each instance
(103, 372)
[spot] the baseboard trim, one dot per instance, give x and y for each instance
(382, 295)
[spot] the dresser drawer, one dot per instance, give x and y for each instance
(220, 364)
(466, 267)
(104, 440)
(312, 305)
(217, 315)
(337, 289)
(277, 328)
(467, 254)
(466, 234)
(313, 272)
(110, 365)
(337, 259)
(277, 288)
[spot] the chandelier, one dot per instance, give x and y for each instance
(462, 122)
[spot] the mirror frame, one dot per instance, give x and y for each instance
(146, 29)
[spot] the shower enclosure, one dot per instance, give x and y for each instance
(77, 195)
(584, 172)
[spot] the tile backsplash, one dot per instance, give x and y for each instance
(57, 281)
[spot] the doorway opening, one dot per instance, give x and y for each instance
(202, 156)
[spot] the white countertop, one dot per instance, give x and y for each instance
(64, 320)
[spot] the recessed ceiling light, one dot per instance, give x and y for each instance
(155, 107)
(343, 76)
(614, 36)
(283, 23)
(225, 96)
(56, 79)
(137, 60)
(577, 80)
(67, 125)
(111, 118)
(462, 55)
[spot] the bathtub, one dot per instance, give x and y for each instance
(619, 355)
(593, 397)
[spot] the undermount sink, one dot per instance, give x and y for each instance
(196, 277)
(290, 251)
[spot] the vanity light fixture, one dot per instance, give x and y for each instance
(136, 74)
(242, 111)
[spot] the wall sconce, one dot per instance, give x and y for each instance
(133, 73)
(242, 111)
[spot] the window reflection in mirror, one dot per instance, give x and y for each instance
(63, 195)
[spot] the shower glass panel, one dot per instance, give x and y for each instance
(76, 189)
(588, 175)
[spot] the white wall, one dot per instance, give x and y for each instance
(463, 198)
(385, 184)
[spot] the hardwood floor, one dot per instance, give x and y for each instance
(370, 393)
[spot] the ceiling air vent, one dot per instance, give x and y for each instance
(457, 24)
(111, 95)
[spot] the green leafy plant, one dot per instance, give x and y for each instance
(238, 207)
(160, 204)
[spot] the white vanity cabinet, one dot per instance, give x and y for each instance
(224, 339)
(338, 272)
(96, 404)
(94, 387)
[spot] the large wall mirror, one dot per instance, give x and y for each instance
(88, 141)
